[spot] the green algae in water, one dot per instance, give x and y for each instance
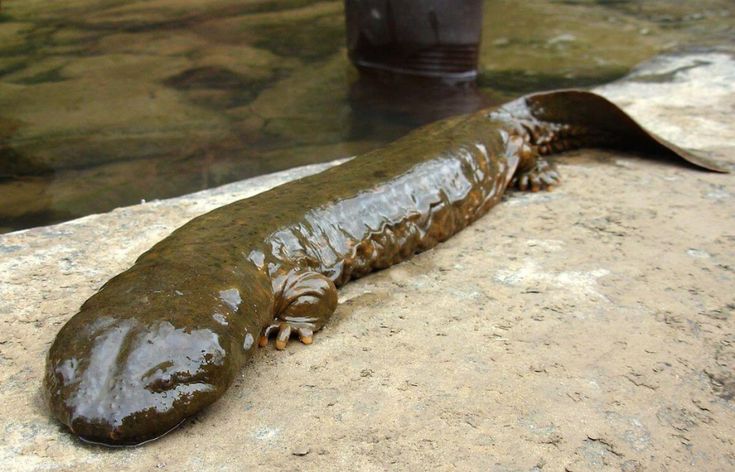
(311, 40)
(522, 82)
(11, 67)
(173, 89)
(51, 75)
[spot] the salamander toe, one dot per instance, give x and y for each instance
(542, 176)
(283, 331)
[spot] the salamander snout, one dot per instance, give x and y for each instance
(120, 382)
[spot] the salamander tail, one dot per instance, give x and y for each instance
(587, 119)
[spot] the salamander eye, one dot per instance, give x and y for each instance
(165, 381)
(160, 378)
(161, 384)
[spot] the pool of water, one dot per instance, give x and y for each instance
(105, 103)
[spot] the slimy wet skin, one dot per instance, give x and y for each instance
(164, 339)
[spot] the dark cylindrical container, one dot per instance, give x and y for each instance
(428, 38)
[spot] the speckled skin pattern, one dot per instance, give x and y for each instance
(165, 338)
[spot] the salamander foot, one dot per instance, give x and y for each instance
(282, 330)
(542, 176)
(304, 303)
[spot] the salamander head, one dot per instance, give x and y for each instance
(124, 381)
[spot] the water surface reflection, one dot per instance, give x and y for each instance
(105, 103)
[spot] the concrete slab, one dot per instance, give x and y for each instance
(586, 329)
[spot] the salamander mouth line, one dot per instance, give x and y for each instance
(93, 442)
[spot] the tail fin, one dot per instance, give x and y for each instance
(588, 110)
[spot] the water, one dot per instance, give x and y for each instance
(105, 103)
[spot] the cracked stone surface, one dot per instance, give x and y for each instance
(586, 329)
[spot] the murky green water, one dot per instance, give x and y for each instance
(104, 103)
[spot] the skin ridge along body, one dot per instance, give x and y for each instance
(165, 338)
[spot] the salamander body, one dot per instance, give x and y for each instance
(165, 338)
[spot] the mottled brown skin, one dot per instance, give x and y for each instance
(165, 338)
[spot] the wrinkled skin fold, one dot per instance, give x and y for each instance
(166, 338)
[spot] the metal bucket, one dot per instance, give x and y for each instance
(427, 38)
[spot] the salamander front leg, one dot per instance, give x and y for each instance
(305, 302)
(541, 175)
